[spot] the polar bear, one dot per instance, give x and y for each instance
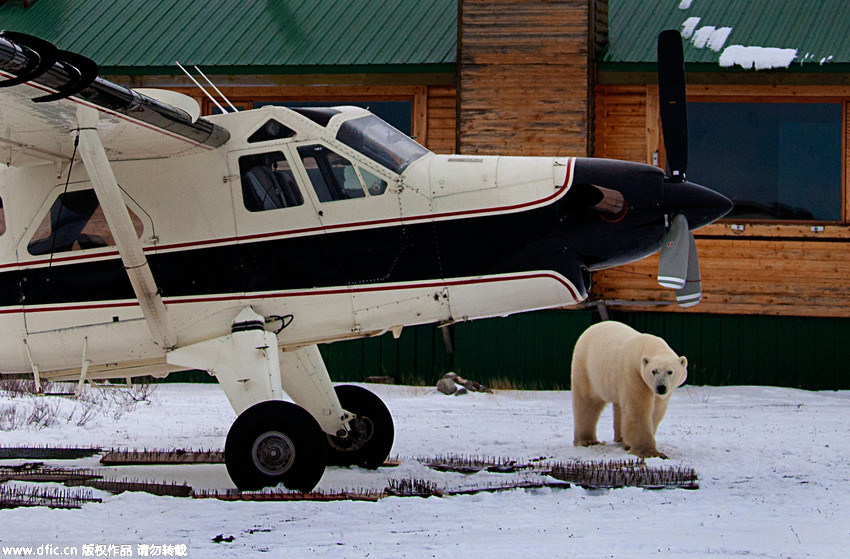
(636, 372)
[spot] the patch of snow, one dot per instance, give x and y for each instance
(688, 27)
(702, 35)
(718, 38)
(685, 4)
(711, 37)
(772, 464)
(760, 58)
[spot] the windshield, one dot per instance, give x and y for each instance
(380, 142)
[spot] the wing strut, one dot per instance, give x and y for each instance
(121, 226)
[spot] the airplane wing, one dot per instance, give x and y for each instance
(42, 88)
(54, 107)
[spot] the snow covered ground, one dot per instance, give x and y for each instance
(773, 463)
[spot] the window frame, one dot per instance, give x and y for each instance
(265, 151)
(748, 92)
(715, 94)
(43, 215)
(354, 159)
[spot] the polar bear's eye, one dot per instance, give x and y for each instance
(669, 372)
(655, 372)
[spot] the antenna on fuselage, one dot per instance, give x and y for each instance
(207, 93)
(235, 110)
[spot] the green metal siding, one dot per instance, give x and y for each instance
(534, 350)
(797, 352)
(233, 33)
(418, 356)
(531, 350)
(814, 28)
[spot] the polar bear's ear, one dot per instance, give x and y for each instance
(645, 361)
(684, 361)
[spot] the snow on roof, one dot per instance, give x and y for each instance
(759, 58)
(752, 34)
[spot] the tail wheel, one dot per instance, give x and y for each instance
(275, 442)
(371, 434)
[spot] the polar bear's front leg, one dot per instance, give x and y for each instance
(659, 412)
(638, 428)
(586, 412)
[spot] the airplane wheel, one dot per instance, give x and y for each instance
(371, 437)
(275, 442)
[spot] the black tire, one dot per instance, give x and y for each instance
(371, 438)
(275, 442)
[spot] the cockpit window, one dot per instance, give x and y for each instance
(380, 142)
(75, 222)
(271, 130)
(335, 178)
(268, 182)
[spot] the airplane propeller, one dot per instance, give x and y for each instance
(678, 267)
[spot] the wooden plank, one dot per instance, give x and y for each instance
(620, 122)
(782, 93)
(523, 77)
(800, 277)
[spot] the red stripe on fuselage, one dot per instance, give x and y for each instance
(306, 293)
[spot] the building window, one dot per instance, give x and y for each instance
(75, 222)
(776, 161)
(268, 182)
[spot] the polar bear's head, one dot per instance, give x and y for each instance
(663, 373)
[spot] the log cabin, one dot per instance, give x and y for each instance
(768, 91)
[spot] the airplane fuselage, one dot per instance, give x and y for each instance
(449, 238)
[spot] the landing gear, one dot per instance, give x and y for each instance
(371, 434)
(275, 442)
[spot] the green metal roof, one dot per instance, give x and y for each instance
(283, 35)
(817, 30)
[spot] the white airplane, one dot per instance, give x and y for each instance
(139, 239)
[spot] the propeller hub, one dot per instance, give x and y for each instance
(699, 204)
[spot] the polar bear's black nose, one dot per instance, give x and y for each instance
(661, 389)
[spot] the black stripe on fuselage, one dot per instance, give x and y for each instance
(508, 243)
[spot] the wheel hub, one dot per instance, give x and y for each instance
(362, 429)
(273, 453)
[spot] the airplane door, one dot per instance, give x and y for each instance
(381, 258)
(281, 244)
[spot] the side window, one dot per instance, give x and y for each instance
(75, 222)
(374, 184)
(268, 182)
(335, 178)
(271, 130)
(2, 218)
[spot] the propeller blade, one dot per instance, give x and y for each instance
(673, 265)
(691, 293)
(673, 109)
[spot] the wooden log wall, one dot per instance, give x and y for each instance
(442, 119)
(523, 77)
(768, 268)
